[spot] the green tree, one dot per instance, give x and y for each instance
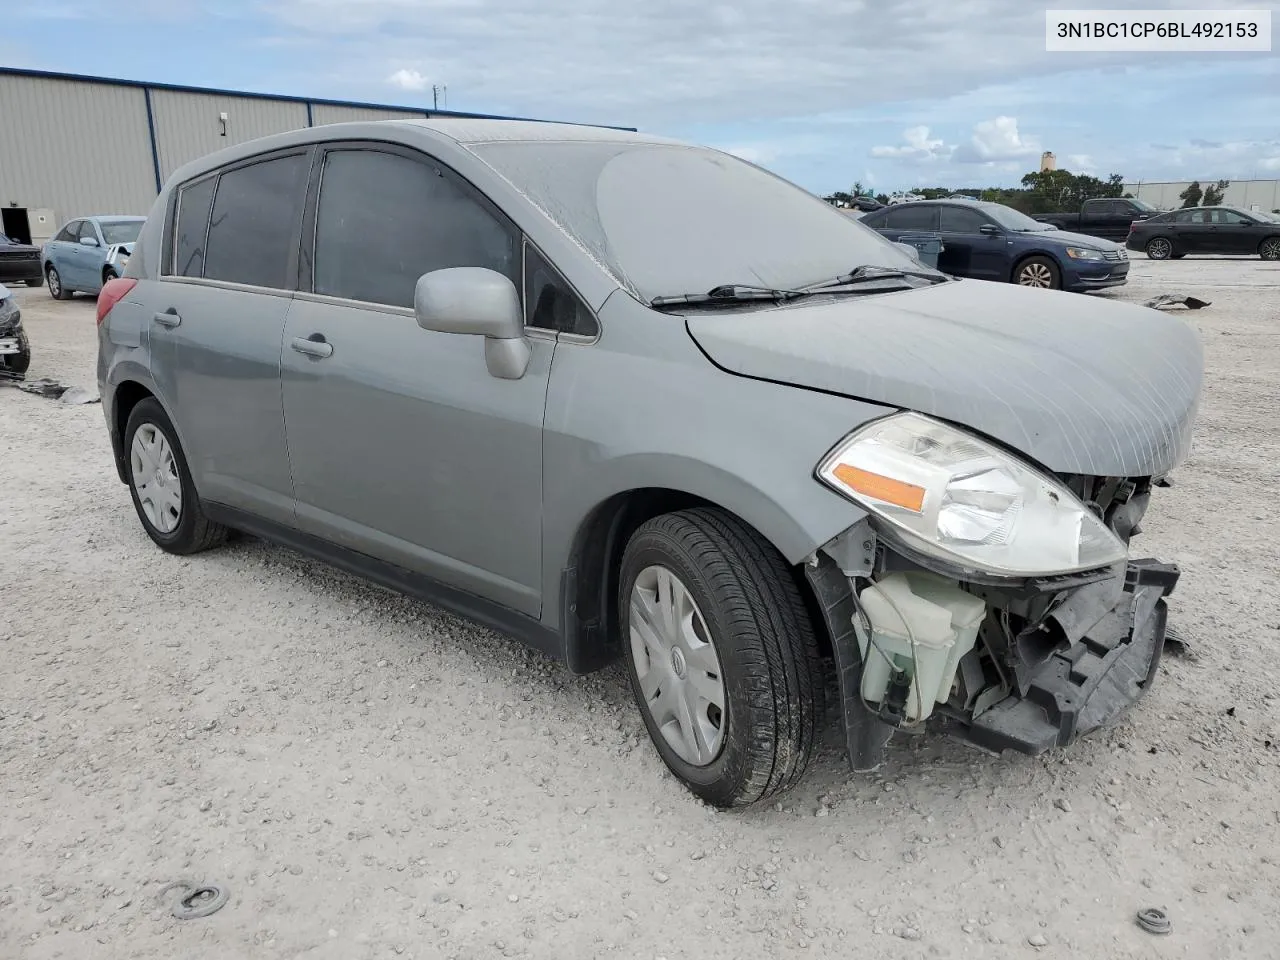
(882, 198)
(1214, 192)
(1190, 197)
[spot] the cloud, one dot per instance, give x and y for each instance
(917, 147)
(408, 80)
(997, 141)
(1080, 163)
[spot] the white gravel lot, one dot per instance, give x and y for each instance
(372, 778)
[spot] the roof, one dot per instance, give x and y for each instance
(314, 101)
(475, 131)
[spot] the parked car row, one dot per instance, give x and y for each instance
(991, 241)
(1220, 230)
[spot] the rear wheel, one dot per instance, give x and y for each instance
(56, 289)
(1269, 249)
(721, 655)
(1159, 248)
(1038, 272)
(160, 484)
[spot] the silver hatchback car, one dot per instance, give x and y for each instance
(624, 397)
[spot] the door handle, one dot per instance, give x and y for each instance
(313, 346)
(169, 318)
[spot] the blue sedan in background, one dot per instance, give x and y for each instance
(88, 252)
(989, 241)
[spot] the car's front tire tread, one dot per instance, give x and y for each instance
(757, 603)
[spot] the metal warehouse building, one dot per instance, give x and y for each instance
(73, 146)
(1261, 195)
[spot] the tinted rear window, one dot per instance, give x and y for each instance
(913, 215)
(193, 225)
(254, 228)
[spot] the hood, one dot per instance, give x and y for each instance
(1068, 239)
(1077, 384)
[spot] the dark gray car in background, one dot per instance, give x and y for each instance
(623, 397)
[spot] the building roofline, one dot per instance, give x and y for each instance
(283, 98)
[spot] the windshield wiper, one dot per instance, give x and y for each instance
(728, 293)
(868, 273)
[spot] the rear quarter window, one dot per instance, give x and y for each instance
(191, 227)
(253, 229)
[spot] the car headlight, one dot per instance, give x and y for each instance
(1083, 253)
(961, 499)
(8, 307)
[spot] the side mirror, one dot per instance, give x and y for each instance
(990, 229)
(909, 250)
(479, 302)
(89, 241)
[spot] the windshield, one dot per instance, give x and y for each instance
(1012, 219)
(1143, 205)
(120, 231)
(667, 220)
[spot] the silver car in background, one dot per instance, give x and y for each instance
(627, 398)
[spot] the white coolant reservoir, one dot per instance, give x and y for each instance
(920, 624)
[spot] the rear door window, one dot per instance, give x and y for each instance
(384, 219)
(192, 227)
(913, 215)
(253, 231)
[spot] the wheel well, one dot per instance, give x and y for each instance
(127, 396)
(107, 268)
(589, 607)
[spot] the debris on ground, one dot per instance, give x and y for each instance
(1176, 643)
(44, 387)
(197, 900)
(1154, 920)
(1167, 300)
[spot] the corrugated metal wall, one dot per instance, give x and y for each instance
(1240, 193)
(76, 148)
(330, 113)
(187, 124)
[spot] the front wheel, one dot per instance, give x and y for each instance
(1159, 248)
(1038, 272)
(108, 275)
(1269, 249)
(161, 487)
(721, 654)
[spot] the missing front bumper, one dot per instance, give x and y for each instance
(1105, 662)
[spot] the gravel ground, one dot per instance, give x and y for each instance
(373, 778)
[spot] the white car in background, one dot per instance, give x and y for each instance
(905, 197)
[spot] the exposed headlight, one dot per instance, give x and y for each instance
(964, 500)
(1083, 253)
(8, 307)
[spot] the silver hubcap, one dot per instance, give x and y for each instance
(677, 666)
(155, 478)
(1035, 275)
(1159, 249)
(55, 284)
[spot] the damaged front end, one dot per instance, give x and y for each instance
(15, 350)
(926, 631)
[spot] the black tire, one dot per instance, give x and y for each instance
(36, 282)
(56, 289)
(764, 640)
(108, 275)
(1159, 248)
(194, 531)
(1038, 268)
(1269, 249)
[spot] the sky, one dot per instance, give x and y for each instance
(889, 93)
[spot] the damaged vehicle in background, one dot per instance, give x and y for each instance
(634, 399)
(88, 253)
(15, 351)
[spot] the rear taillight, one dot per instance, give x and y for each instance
(112, 294)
